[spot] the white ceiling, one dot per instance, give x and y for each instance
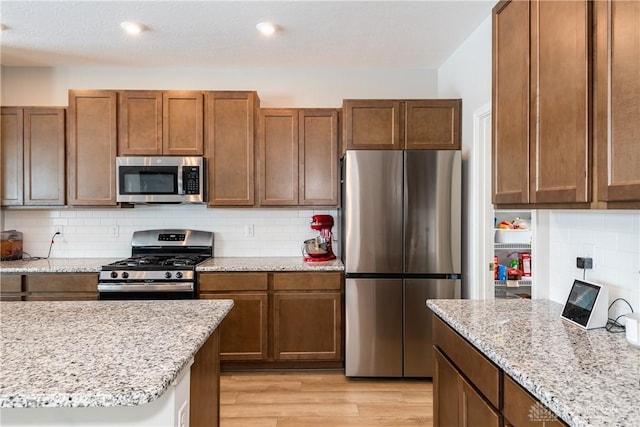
(315, 34)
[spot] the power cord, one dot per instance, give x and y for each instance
(48, 254)
(613, 325)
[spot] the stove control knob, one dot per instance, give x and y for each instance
(179, 275)
(125, 275)
(114, 274)
(167, 275)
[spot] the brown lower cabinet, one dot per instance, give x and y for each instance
(470, 390)
(280, 319)
(11, 287)
(49, 287)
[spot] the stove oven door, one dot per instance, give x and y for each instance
(146, 291)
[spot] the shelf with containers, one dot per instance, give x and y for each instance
(513, 275)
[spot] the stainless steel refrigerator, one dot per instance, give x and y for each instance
(401, 246)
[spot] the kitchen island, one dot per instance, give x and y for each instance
(586, 378)
(116, 363)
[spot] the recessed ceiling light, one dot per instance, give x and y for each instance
(267, 28)
(132, 27)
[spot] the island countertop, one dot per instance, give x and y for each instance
(99, 353)
(587, 378)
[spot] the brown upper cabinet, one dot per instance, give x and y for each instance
(431, 124)
(510, 109)
(617, 100)
(230, 147)
(541, 102)
(33, 156)
(92, 146)
(298, 157)
(160, 123)
(548, 107)
(318, 157)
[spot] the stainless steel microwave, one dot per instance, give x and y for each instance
(162, 179)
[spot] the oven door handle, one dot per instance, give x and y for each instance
(147, 287)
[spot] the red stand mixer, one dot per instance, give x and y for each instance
(319, 248)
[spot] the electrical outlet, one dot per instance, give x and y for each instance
(584, 263)
(114, 231)
(248, 230)
(60, 230)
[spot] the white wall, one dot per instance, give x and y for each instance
(277, 88)
(467, 75)
(278, 232)
(611, 238)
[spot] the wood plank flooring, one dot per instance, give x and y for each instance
(310, 399)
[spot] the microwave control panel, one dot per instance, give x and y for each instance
(191, 179)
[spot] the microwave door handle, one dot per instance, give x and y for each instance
(180, 182)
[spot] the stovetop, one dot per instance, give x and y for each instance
(161, 255)
(155, 262)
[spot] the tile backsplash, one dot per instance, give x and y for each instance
(106, 233)
(611, 238)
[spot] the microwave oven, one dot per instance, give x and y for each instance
(161, 179)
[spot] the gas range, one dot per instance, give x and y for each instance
(162, 266)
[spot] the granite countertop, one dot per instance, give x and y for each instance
(90, 265)
(268, 264)
(99, 353)
(587, 378)
(55, 265)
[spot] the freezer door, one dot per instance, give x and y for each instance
(418, 339)
(432, 201)
(373, 316)
(373, 211)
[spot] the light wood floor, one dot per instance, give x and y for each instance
(326, 399)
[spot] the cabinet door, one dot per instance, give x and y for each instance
(307, 326)
(11, 134)
(11, 287)
(433, 124)
(182, 123)
(560, 82)
(318, 152)
(372, 124)
(61, 287)
(445, 392)
(510, 108)
(456, 402)
(243, 332)
(230, 141)
(92, 146)
(44, 149)
(523, 410)
(278, 157)
(140, 123)
(617, 99)
(474, 410)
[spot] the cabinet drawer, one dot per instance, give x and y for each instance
(62, 296)
(481, 371)
(307, 281)
(76, 282)
(522, 409)
(11, 283)
(232, 282)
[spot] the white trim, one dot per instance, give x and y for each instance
(480, 285)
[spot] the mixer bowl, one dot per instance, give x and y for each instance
(316, 247)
